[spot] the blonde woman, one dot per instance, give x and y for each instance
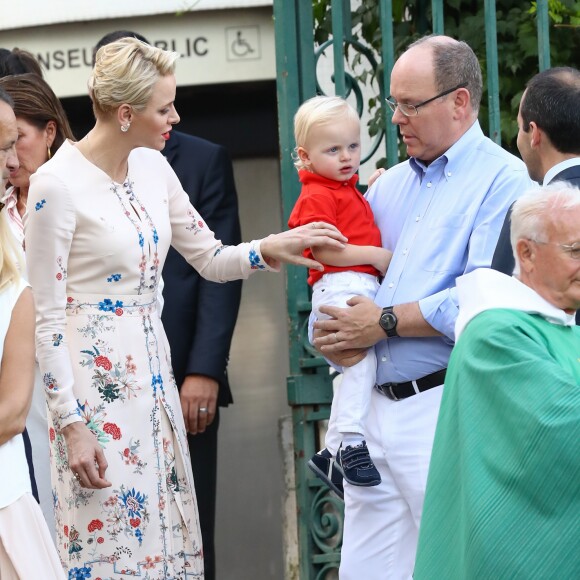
(102, 214)
(42, 129)
(23, 530)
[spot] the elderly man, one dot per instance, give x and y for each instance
(440, 212)
(503, 495)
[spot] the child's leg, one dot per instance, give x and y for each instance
(349, 405)
(352, 406)
(351, 401)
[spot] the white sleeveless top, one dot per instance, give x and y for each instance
(15, 479)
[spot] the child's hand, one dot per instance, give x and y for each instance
(375, 176)
(383, 259)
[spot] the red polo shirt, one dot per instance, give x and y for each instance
(341, 204)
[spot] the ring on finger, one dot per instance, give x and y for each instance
(202, 410)
(77, 477)
(336, 339)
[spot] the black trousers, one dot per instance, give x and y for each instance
(203, 451)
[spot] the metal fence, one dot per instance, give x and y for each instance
(320, 514)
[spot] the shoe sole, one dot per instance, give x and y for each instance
(325, 479)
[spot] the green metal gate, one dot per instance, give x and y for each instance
(320, 514)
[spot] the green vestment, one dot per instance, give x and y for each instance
(503, 492)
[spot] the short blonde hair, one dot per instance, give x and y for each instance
(315, 112)
(533, 211)
(125, 72)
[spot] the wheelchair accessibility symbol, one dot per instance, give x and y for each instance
(240, 46)
(243, 43)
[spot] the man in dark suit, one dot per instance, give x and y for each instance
(199, 316)
(548, 141)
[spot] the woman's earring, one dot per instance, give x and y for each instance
(125, 127)
(49, 153)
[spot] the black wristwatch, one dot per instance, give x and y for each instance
(388, 321)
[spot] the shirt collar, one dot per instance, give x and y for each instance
(484, 289)
(455, 156)
(307, 177)
(10, 200)
(559, 167)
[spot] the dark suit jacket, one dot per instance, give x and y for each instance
(503, 257)
(199, 316)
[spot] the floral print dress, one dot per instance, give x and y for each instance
(95, 251)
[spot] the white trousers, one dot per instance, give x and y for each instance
(381, 523)
(350, 404)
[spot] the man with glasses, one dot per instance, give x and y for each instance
(548, 140)
(413, 110)
(503, 495)
(440, 212)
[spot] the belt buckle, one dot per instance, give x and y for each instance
(391, 392)
(387, 390)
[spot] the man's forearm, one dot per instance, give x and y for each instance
(358, 326)
(411, 322)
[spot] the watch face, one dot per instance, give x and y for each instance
(388, 321)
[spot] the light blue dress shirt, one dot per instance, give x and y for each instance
(441, 221)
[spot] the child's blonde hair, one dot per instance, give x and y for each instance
(315, 112)
(9, 256)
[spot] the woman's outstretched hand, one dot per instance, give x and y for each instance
(288, 246)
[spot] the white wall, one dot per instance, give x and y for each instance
(216, 47)
(25, 13)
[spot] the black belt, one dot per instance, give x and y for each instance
(398, 391)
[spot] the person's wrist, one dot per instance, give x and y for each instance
(74, 426)
(388, 322)
(376, 334)
(72, 431)
(378, 261)
(264, 247)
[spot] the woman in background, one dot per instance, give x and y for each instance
(17, 62)
(42, 129)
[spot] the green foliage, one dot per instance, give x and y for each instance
(562, 13)
(464, 19)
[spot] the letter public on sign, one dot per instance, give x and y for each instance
(82, 56)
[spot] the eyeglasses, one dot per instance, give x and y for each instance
(573, 250)
(413, 110)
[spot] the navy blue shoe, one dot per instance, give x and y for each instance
(325, 468)
(356, 465)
